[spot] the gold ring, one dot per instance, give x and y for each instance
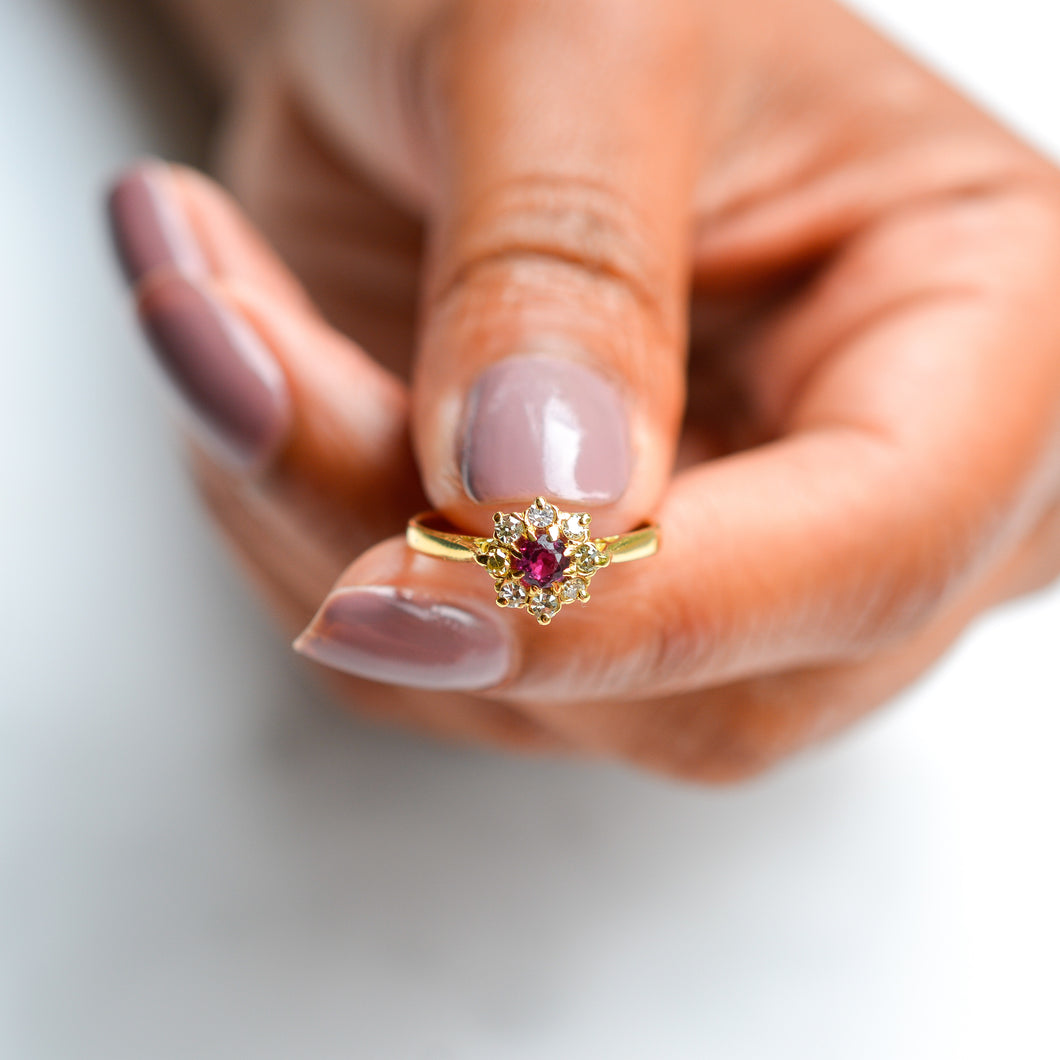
(540, 559)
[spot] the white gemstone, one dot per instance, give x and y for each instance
(511, 594)
(586, 557)
(541, 517)
(572, 588)
(508, 528)
(576, 527)
(543, 603)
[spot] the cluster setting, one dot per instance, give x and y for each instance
(542, 559)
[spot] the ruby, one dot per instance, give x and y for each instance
(539, 561)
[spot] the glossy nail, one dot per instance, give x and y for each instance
(220, 367)
(148, 226)
(402, 637)
(545, 425)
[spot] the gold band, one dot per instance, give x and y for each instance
(540, 559)
(466, 548)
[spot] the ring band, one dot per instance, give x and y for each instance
(539, 559)
(442, 544)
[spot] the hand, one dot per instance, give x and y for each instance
(750, 241)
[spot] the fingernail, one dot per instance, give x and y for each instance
(544, 425)
(401, 637)
(220, 367)
(149, 227)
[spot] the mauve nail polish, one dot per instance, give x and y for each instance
(401, 637)
(220, 366)
(545, 425)
(148, 227)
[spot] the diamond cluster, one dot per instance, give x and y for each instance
(542, 559)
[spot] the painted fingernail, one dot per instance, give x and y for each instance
(401, 637)
(545, 425)
(220, 367)
(148, 227)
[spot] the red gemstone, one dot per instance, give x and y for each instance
(539, 561)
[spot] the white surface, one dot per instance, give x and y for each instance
(202, 860)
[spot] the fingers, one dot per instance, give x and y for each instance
(738, 729)
(916, 453)
(755, 558)
(552, 353)
(778, 558)
(306, 457)
(286, 585)
(275, 395)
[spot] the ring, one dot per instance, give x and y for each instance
(540, 559)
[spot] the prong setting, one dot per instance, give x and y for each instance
(542, 559)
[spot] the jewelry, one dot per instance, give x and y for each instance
(540, 559)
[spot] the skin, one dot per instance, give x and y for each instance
(824, 280)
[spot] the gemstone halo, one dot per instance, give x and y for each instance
(542, 559)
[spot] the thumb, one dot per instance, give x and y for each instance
(553, 342)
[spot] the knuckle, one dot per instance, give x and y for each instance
(575, 230)
(742, 744)
(723, 769)
(515, 731)
(734, 734)
(730, 753)
(715, 738)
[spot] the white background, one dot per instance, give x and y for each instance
(199, 858)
